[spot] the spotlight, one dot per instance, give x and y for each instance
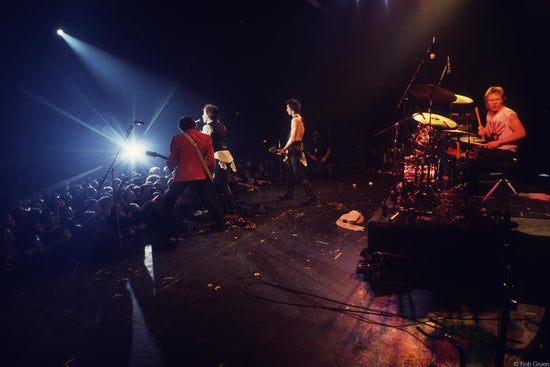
(60, 32)
(133, 151)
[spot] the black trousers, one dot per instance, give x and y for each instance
(295, 171)
(206, 192)
(225, 197)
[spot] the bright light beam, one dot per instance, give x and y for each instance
(144, 346)
(115, 75)
(168, 98)
(111, 72)
(88, 103)
(133, 151)
(66, 114)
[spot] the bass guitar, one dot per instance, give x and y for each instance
(279, 151)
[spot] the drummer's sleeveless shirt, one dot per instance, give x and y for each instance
(499, 127)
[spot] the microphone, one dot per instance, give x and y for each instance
(431, 49)
(198, 120)
(448, 65)
(140, 123)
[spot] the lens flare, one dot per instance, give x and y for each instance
(133, 151)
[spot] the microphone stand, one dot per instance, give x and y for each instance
(402, 99)
(128, 132)
(442, 75)
(400, 103)
(115, 192)
(430, 49)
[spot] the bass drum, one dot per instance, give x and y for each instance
(417, 170)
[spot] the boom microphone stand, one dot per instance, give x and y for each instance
(430, 53)
(112, 171)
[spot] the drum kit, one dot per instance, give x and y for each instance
(434, 150)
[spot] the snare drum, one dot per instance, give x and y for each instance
(465, 147)
(474, 140)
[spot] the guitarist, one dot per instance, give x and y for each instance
(191, 172)
(294, 148)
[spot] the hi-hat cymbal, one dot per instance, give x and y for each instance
(432, 119)
(429, 92)
(462, 99)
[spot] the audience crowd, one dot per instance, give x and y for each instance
(82, 219)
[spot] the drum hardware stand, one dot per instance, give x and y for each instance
(395, 150)
(429, 50)
(427, 189)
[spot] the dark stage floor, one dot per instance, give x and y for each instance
(284, 294)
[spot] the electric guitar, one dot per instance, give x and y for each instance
(156, 155)
(280, 152)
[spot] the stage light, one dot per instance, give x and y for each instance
(133, 151)
(60, 32)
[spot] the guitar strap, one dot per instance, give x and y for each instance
(206, 169)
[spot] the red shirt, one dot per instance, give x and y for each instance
(184, 156)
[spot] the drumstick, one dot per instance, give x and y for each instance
(477, 115)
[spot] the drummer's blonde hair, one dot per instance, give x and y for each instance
(496, 90)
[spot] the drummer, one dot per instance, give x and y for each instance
(502, 133)
(503, 128)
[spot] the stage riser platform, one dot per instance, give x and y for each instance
(443, 254)
(476, 257)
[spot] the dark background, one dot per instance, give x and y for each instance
(348, 61)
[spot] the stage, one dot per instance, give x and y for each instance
(288, 293)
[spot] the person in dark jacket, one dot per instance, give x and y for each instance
(224, 159)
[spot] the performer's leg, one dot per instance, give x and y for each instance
(207, 194)
(289, 180)
(169, 204)
(225, 197)
(298, 169)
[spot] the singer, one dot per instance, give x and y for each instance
(502, 132)
(224, 159)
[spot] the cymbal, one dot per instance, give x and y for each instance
(429, 92)
(462, 99)
(434, 120)
(457, 131)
